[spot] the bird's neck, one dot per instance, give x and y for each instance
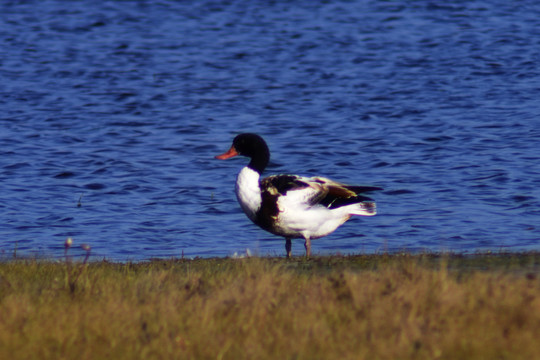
(260, 161)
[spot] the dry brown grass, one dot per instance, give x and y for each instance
(363, 307)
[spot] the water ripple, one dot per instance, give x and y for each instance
(112, 114)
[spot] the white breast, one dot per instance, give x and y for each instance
(248, 192)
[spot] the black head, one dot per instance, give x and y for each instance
(252, 146)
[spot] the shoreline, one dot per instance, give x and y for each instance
(428, 306)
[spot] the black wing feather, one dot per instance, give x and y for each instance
(363, 189)
(284, 183)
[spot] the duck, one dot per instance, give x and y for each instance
(293, 206)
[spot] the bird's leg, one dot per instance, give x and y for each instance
(307, 245)
(288, 246)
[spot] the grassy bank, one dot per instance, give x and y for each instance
(358, 307)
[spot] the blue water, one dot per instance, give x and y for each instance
(121, 105)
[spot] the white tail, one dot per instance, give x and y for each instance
(363, 209)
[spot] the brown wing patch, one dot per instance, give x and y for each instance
(335, 188)
(342, 190)
(339, 191)
(339, 194)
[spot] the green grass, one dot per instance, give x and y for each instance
(485, 306)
